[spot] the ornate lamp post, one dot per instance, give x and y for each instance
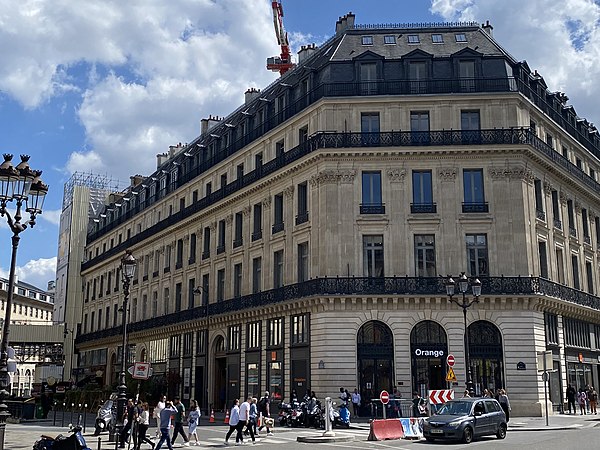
(128, 266)
(463, 287)
(25, 187)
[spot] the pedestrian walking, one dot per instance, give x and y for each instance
(571, 395)
(234, 419)
(143, 423)
(156, 413)
(581, 399)
(593, 401)
(128, 416)
(504, 403)
(264, 409)
(355, 402)
(193, 420)
(165, 424)
(178, 429)
(254, 415)
(245, 419)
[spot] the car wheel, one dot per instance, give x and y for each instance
(429, 439)
(467, 435)
(501, 434)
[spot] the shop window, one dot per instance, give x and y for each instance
(234, 338)
(275, 332)
(174, 343)
(187, 344)
(253, 335)
(300, 329)
(486, 356)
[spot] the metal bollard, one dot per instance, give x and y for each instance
(328, 405)
(54, 418)
(62, 420)
(99, 444)
(72, 410)
(84, 416)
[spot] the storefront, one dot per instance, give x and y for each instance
(485, 345)
(429, 348)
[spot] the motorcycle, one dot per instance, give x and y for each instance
(314, 414)
(106, 417)
(340, 417)
(75, 441)
(285, 414)
(297, 415)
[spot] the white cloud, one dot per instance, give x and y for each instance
(559, 38)
(51, 216)
(152, 69)
(36, 272)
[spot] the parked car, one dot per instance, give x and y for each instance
(465, 419)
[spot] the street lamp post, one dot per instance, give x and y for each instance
(25, 187)
(463, 287)
(128, 266)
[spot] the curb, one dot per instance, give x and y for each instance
(325, 439)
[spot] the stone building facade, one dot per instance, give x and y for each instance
(300, 241)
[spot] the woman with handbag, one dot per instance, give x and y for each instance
(193, 419)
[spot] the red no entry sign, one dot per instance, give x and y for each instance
(450, 360)
(384, 397)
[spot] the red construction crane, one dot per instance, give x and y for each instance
(284, 62)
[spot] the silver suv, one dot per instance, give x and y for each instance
(465, 419)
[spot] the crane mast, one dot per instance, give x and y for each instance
(281, 63)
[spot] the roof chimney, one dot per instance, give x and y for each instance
(251, 94)
(488, 28)
(207, 124)
(161, 158)
(306, 52)
(136, 180)
(174, 149)
(344, 22)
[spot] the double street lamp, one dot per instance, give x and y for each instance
(465, 304)
(23, 186)
(128, 266)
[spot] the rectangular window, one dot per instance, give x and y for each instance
(571, 218)
(239, 172)
(413, 39)
(279, 148)
(551, 325)
(597, 227)
(257, 222)
(417, 74)
(302, 262)
(238, 233)
(206, 243)
(373, 256)
(422, 192)
(191, 289)
(560, 266)
(367, 40)
(192, 258)
(425, 255)
(549, 140)
(253, 335)
(474, 198)
(208, 188)
(256, 275)
(221, 241)
(278, 269)
(300, 329)
(543, 259)
(234, 338)
(275, 332)
(188, 339)
(565, 152)
(419, 127)
(575, 267)
(205, 288)
(220, 285)
(178, 294)
(302, 215)
(278, 213)
(460, 37)
(466, 73)
(371, 193)
(389, 39)
(201, 342)
(585, 224)
(477, 255)
(174, 349)
(155, 304)
(303, 135)
(579, 163)
(223, 181)
(470, 127)
(437, 39)
(369, 122)
(258, 161)
(179, 256)
(577, 333)
(237, 280)
(589, 272)
(539, 200)
(167, 258)
(556, 210)
(368, 78)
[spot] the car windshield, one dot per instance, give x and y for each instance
(457, 408)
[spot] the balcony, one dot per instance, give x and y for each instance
(423, 208)
(257, 235)
(372, 208)
(302, 218)
(238, 242)
(277, 227)
(540, 215)
(481, 207)
(557, 224)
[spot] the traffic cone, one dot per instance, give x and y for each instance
(226, 417)
(212, 416)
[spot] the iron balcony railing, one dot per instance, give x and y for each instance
(372, 208)
(327, 140)
(540, 214)
(422, 208)
(344, 286)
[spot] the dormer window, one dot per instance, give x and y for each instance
(413, 39)
(152, 190)
(437, 39)
(389, 39)
(367, 40)
(174, 173)
(163, 183)
(460, 37)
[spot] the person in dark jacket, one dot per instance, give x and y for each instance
(571, 394)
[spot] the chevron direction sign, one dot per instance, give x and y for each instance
(437, 397)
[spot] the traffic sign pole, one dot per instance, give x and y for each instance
(385, 399)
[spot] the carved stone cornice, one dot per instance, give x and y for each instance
(347, 176)
(548, 188)
(448, 174)
(512, 173)
(288, 192)
(577, 205)
(266, 202)
(333, 176)
(396, 175)
(563, 197)
(229, 219)
(246, 210)
(212, 225)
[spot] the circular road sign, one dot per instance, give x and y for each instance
(384, 397)
(450, 360)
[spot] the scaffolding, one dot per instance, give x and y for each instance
(98, 184)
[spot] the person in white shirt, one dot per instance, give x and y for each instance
(193, 419)
(245, 418)
(355, 402)
(143, 421)
(234, 419)
(156, 413)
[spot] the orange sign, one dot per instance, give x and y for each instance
(580, 358)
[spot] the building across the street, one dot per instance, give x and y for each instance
(304, 241)
(31, 307)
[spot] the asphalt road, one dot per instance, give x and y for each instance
(22, 436)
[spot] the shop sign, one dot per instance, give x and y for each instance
(429, 353)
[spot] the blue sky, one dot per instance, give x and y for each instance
(105, 85)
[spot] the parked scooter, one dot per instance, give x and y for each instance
(314, 415)
(285, 414)
(340, 417)
(73, 442)
(106, 417)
